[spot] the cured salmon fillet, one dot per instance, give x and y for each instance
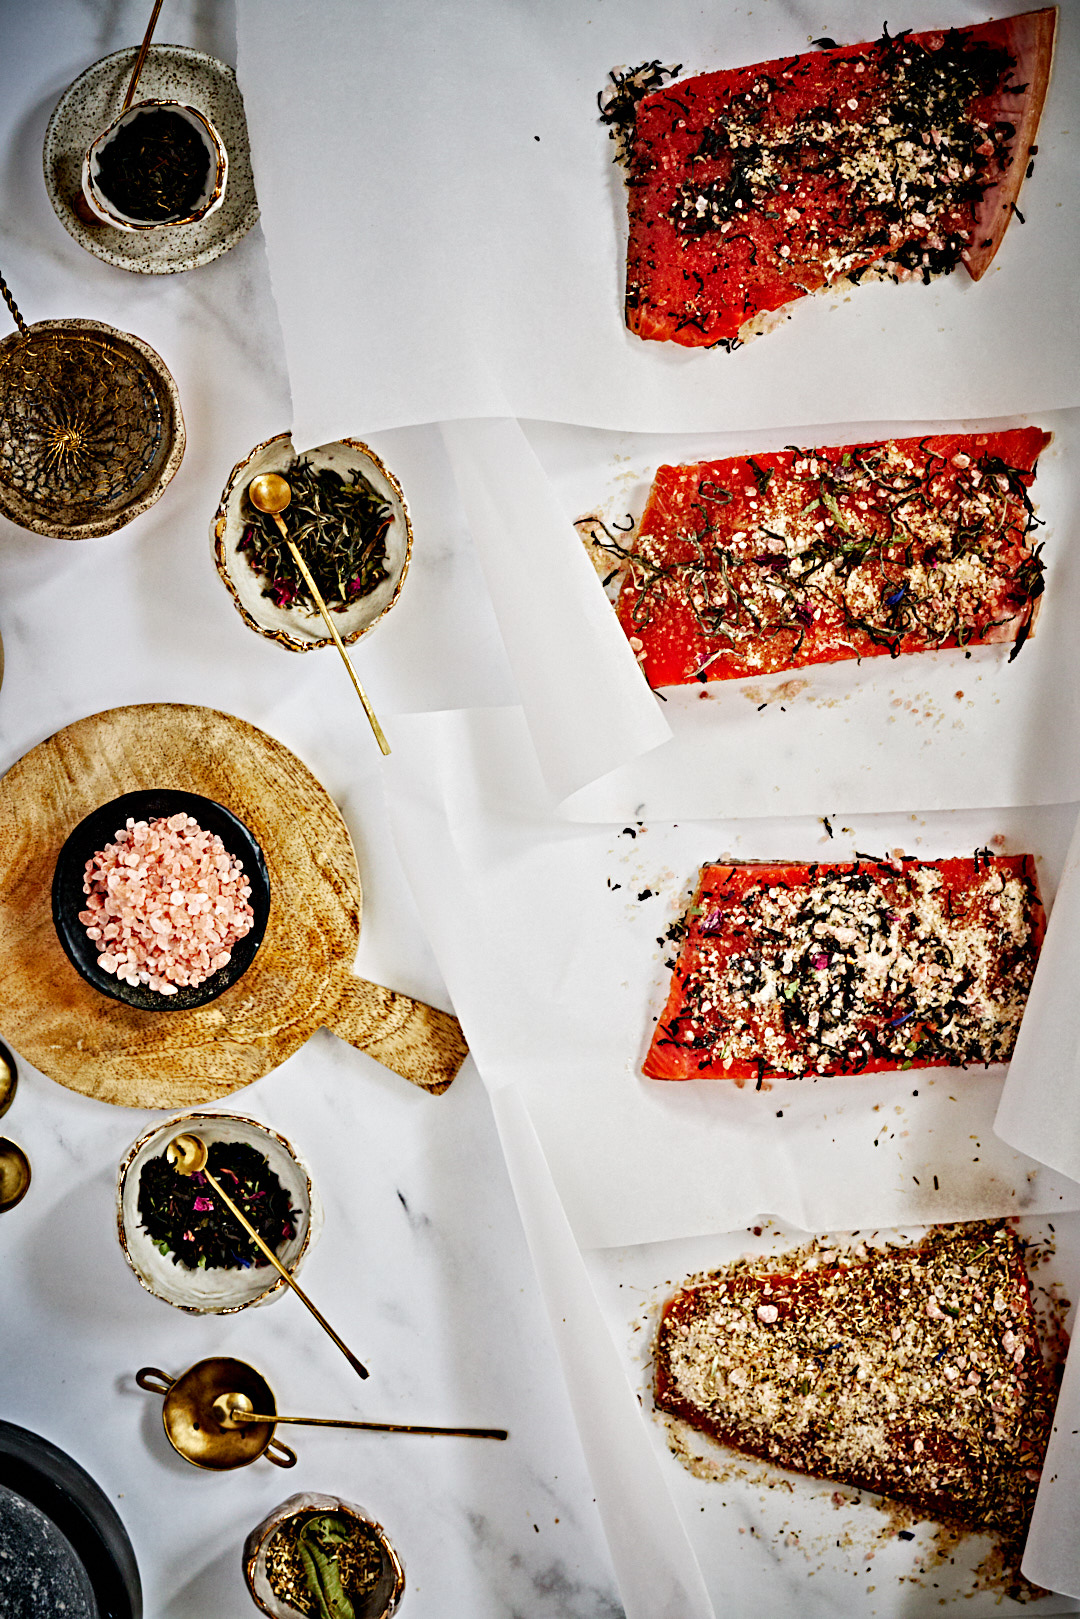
(792, 971)
(759, 563)
(915, 1372)
(752, 187)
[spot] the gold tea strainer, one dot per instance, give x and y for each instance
(91, 429)
(221, 1414)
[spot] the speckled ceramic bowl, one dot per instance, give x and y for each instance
(214, 1292)
(171, 72)
(209, 199)
(290, 626)
(383, 1600)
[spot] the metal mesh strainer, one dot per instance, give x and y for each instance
(90, 426)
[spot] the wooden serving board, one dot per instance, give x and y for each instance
(301, 979)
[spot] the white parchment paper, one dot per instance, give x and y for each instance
(551, 940)
(929, 731)
(1040, 1104)
(587, 707)
(446, 230)
(769, 1549)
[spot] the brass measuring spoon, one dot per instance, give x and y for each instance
(188, 1154)
(233, 1409)
(270, 493)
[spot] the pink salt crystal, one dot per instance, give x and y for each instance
(171, 912)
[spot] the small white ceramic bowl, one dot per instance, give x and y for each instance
(292, 627)
(214, 1292)
(210, 198)
(383, 1600)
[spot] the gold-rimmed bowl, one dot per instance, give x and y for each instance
(292, 627)
(381, 1602)
(214, 1292)
(209, 199)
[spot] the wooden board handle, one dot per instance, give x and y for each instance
(417, 1041)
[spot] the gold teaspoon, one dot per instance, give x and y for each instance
(231, 1409)
(270, 493)
(188, 1155)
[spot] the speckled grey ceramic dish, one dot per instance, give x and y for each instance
(214, 1292)
(289, 626)
(171, 73)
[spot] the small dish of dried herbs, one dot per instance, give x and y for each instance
(182, 1242)
(185, 1217)
(347, 517)
(320, 1555)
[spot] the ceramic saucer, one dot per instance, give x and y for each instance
(172, 72)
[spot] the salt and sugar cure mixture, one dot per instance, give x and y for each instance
(166, 902)
(916, 1372)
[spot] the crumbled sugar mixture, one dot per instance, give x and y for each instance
(914, 1372)
(754, 564)
(166, 902)
(788, 971)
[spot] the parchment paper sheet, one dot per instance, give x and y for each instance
(547, 935)
(446, 230)
(1040, 1104)
(696, 1549)
(929, 731)
(771, 1553)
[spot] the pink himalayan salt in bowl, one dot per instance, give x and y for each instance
(166, 902)
(146, 897)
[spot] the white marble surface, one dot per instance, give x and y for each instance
(422, 1265)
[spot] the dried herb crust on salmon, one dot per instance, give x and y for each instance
(752, 187)
(915, 1372)
(759, 563)
(792, 971)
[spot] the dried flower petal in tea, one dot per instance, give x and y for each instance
(182, 1214)
(339, 525)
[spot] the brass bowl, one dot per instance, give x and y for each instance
(191, 1424)
(91, 430)
(290, 626)
(14, 1174)
(387, 1594)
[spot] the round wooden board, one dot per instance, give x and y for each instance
(301, 978)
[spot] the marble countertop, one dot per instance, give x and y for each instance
(422, 1265)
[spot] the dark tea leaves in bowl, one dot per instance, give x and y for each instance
(340, 527)
(155, 166)
(184, 1217)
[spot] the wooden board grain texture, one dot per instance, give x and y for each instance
(301, 978)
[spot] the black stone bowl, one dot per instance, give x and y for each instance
(50, 1480)
(100, 828)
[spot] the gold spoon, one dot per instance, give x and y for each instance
(80, 204)
(232, 1408)
(141, 58)
(188, 1155)
(270, 493)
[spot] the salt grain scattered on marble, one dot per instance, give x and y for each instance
(166, 903)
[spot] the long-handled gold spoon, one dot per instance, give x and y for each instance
(232, 1408)
(270, 493)
(188, 1155)
(79, 202)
